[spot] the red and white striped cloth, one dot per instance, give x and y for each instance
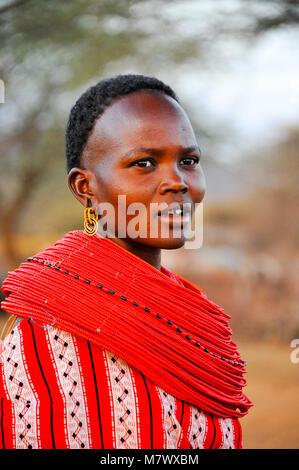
(60, 391)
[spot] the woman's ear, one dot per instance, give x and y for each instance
(79, 183)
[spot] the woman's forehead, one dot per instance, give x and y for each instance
(141, 117)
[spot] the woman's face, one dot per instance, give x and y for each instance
(143, 146)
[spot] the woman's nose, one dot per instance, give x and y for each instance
(173, 180)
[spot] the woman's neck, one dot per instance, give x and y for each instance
(149, 254)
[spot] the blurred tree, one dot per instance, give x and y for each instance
(45, 51)
(285, 12)
(51, 51)
(275, 226)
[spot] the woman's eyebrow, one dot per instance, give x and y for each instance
(157, 152)
(187, 150)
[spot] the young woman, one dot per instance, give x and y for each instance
(109, 348)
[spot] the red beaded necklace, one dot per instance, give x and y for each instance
(170, 331)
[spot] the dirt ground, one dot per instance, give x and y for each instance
(273, 386)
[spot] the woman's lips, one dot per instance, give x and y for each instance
(175, 220)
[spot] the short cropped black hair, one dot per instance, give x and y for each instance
(93, 102)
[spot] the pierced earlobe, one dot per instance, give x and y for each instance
(90, 221)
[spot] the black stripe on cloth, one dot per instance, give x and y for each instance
(183, 409)
(97, 394)
(46, 383)
(214, 432)
(150, 408)
(2, 429)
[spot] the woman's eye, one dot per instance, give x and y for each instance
(190, 161)
(143, 163)
(148, 162)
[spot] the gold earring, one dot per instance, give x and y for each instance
(90, 221)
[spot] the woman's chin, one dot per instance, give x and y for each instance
(170, 243)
